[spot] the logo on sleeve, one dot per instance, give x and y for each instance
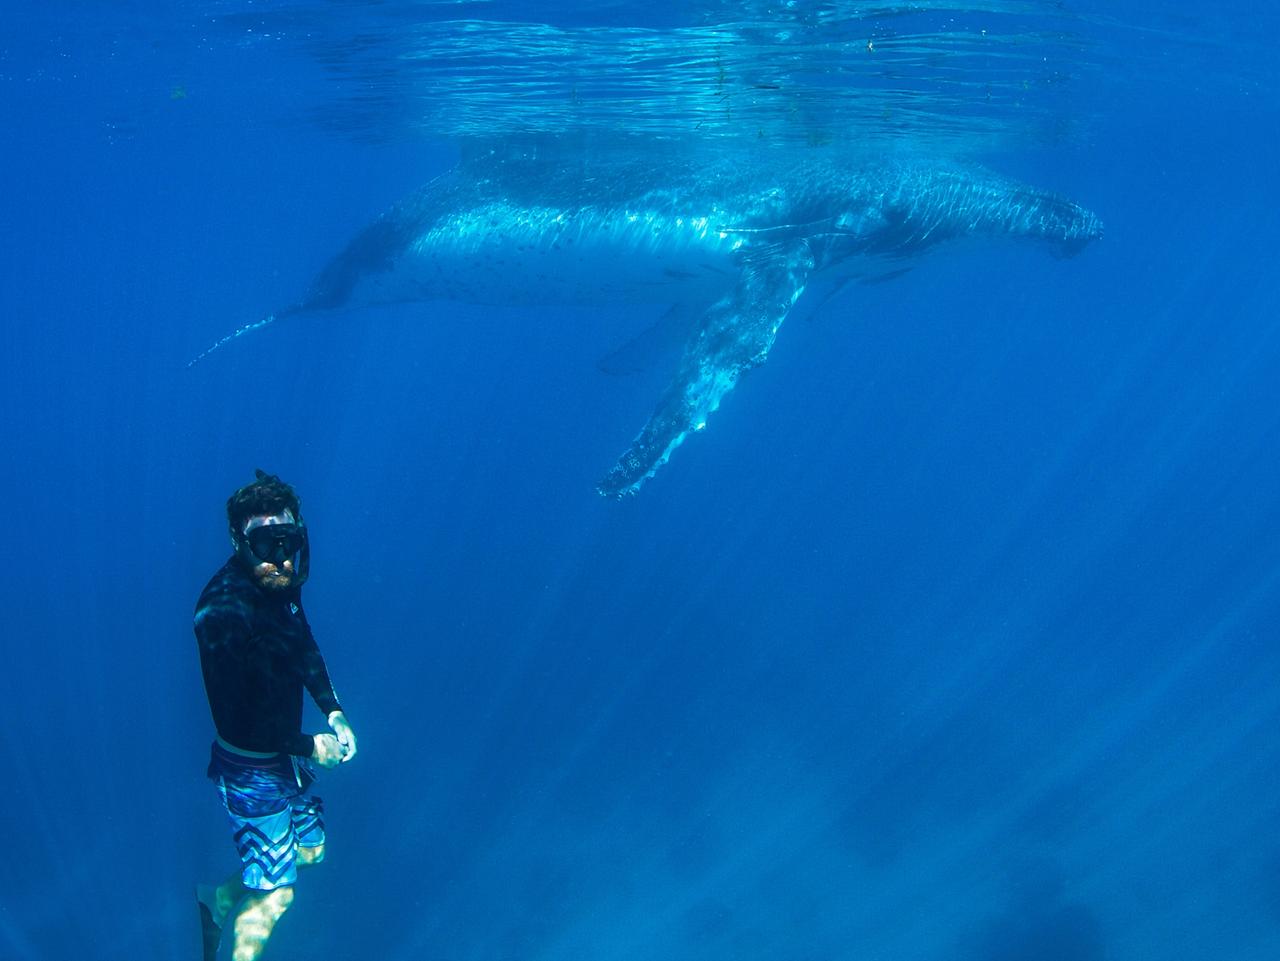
(293, 608)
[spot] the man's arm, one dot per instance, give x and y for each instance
(316, 677)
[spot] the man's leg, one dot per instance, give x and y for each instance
(308, 856)
(216, 903)
(268, 849)
(256, 919)
(261, 909)
(227, 895)
(307, 816)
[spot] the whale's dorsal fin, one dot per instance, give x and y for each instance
(735, 335)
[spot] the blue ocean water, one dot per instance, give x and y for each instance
(952, 638)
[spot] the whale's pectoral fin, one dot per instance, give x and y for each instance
(734, 335)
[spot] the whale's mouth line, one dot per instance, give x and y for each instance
(807, 227)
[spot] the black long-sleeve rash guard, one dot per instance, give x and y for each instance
(257, 653)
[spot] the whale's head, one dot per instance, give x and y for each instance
(1064, 224)
(1066, 227)
(912, 208)
(935, 205)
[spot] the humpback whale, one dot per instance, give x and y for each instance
(733, 244)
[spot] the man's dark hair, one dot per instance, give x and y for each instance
(266, 495)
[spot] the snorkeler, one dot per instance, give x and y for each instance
(256, 654)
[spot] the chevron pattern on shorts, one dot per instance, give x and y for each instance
(308, 819)
(273, 859)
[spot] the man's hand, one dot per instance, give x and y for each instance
(327, 752)
(345, 735)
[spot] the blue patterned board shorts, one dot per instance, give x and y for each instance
(272, 815)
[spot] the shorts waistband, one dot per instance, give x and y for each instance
(243, 754)
(241, 767)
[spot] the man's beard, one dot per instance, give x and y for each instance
(275, 581)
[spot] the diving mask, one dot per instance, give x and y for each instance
(275, 543)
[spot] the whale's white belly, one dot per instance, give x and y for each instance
(505, 255)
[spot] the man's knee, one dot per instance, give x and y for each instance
(257, 917)
(311, 855)
(267, 906)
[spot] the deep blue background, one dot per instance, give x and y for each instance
(954, 637)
